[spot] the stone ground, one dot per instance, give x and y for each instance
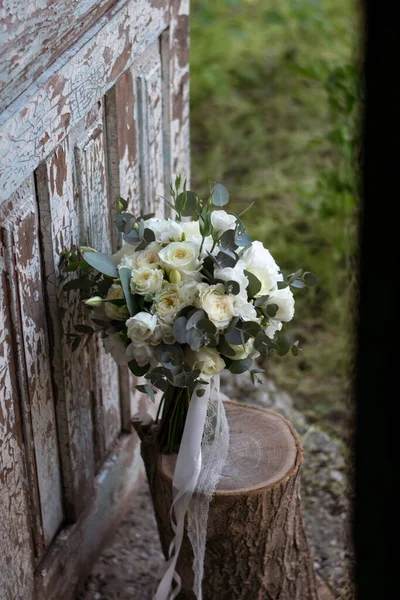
(132, 563)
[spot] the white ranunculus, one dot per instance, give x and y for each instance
(126, 250)
(144, 258)
(182, 257)
(267, 279)
(218, 305)
(141, 326)
(258, 256)
(233, 274)
(207, 361)
(165, 230)
(146, 281)
(142, 353)
(248, 350)
(168, 303)
(244, 309)
(114, 346)
(113, 312)
(285, 301)
(222, 221)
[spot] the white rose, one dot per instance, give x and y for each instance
(162, 333)
(248, 350)
(218, 305)
(207, 361)
(141, 326)
(114, 346)
(285, 301)
(182, 257)
(126, 250)
(168, 303)
(142, 353)
(113, 312)
(165, 230)
(222, 221)
(233, 274)
(144, 258)
(146, 281)
(244, 309)
(188, 292)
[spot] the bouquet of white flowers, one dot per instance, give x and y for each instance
(184, 299)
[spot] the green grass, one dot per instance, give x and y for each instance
(254, 125)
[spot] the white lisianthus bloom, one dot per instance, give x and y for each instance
(113, 312)
(285, 301)
(222, 221)
(182, 257)
(267, 279)
(148, 257)
(146, 281)
(207, 361)
(258, 256)
(272, 328)
(241, 352)
(126, 250)
(165, 230)
(191, 229)
(141, 326)
(218, 305)
(245, 309)
(114, 346)
(142, 353)
(233, 274)
(168, 303)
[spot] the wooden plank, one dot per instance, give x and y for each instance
(96, 232)
(175, 61)
(16, 543)
(29, 322)
(149, 84)
(33, 126)
(33, 34)
(59, 218)
(71, 557)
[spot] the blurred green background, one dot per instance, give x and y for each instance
(274, 116)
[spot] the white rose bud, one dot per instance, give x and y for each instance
(175, 277)
(218, 305)
(221, 222)
(182, 257)
(285, 301)
(207, 361)
(142, 353)
(113, 312)
(241, 352)
(146, 281)
(141, 326)
(94, 301)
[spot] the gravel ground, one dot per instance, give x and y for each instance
(132, 563)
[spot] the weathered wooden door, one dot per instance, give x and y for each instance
(93, 104)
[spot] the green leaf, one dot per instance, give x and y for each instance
(136, 369)
(75, 343)
(240, 366)
(147, 389)
(254, 284)
(82, 283)
(219, 195)
(179, 330)
(261, 300)
(125, 222)
(224, 348)
(122, 204)
(132, 238)
(232, 287)
(226, 258)
(102, 263)
(83, 328)
(282, 285)
(297, 283)
(206, 326)
(243, 240)
(125, 275)
(271, 310)
(227, 240)
(310, 279)
(251, 328)
(187, 203)
(200, 393)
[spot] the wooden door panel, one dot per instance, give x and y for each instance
(60, 229)
(37, 403)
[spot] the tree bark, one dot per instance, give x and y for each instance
(256, 542)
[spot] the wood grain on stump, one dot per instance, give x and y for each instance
(256, 542)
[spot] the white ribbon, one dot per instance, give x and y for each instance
(189, 468)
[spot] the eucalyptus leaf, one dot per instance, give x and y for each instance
(132, 238)
(101, 262)
(297, 283)
(179, 330)
(219, 195)
(235, 336)
(271, 310)
(200, 393)
(254, 284)
(251, 328)
(240, 366)
(125, 275)
(227, 240)
(206, 326)
(136, 369)
(147, 389)
(77, 284)
(261, 300)
(122, 205)
(224, 348)
(83, 328)
(243, 240)
(226, 258)
(282, 285)
(195, 318)
(232, 287)
(309, 278)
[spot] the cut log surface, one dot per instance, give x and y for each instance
(256, 542)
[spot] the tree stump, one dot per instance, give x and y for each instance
(256, 542)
